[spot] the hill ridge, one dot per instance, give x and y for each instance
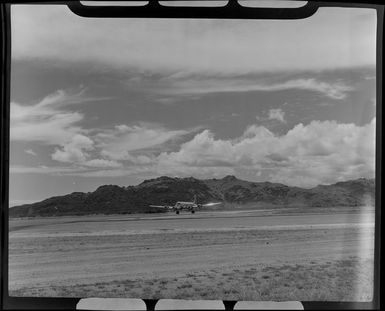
(114, 199)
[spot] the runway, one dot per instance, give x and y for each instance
(203, 221)
(69, 251)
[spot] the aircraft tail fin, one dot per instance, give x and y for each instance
(195, 199)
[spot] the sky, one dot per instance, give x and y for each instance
(118, 101)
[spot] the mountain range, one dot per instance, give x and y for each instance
(231, 191)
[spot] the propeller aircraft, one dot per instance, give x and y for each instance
(189, 206)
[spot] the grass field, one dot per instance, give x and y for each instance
(339, 280)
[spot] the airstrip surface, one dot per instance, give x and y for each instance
(156, 255)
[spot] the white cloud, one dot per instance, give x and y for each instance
(277, 114)
(323, 41)
(335, 90)
(51, 127)
(206, 85)
(46, 121)
(117, 144)
(124, 155)
(107, 147)
(307, 155)
(320, 152)
(122, 128)
(74, 151)
(50, 120)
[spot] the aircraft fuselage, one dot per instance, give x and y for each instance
(185, 205)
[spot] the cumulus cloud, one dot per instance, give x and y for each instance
(277, 114)
(307, 155)
(320, 152)
(74, 151)
(133, 145)
(122, 128)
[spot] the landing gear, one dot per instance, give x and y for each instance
(192, 212)
(177, 212)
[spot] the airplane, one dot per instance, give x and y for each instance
(190, 206)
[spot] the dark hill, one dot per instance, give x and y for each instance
(112, 199)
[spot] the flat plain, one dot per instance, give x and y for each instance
(278, 254)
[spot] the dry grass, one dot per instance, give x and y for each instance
(338, 280)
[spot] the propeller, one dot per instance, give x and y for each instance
(211, 204)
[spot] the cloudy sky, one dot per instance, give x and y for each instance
(116, 101)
